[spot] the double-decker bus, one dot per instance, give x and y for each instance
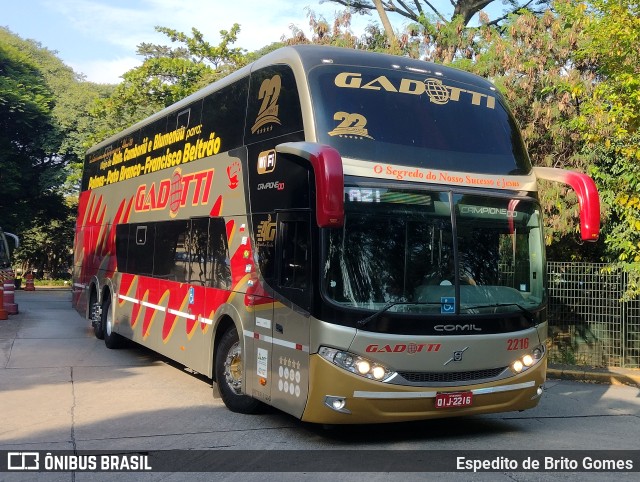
(346, 236)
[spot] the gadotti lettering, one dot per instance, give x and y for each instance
(354, 80)
(410, 348)
(176, 191)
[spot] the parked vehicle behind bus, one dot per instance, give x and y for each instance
(5, 253)
(347, 236)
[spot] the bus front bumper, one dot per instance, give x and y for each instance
(339, 397)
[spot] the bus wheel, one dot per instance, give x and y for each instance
(229, 374)
(96, 319)
(111, 338)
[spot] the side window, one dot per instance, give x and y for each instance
(219, 254)
(223, 115)
(122, 246)
(200, 266)
(264, 227)
(171, 257)
(209, 253)
(140, 251)
(274, 104)
(294, 270)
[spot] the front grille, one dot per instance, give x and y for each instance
(451, 377)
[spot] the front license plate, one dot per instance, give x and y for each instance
(454, 400)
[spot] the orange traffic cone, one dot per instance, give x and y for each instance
(9, 296)
(29, 286)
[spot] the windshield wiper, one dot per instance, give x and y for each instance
(528, 314)
(372, 317)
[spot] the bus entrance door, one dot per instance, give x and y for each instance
(290, 363)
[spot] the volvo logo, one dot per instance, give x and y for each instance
(467, 327)
(457, 356)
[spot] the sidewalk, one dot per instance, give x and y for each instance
(612, 376)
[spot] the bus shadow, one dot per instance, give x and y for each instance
(439, 429)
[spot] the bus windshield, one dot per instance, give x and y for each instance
(398, 247)
(417, 119)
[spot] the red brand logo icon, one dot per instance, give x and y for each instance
(232, 173)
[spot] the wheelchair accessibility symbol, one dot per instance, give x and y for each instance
(447, 305)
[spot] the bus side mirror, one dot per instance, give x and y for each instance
(16, 239)
(588, 197)
(327, 168)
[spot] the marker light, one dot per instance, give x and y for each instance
(339, 404)
(357, 364)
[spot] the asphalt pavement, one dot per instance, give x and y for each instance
(62, 389)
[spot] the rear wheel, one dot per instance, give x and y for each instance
(229, 374)
(111, 338)
(96, 319)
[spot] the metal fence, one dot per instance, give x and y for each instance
(589, 322)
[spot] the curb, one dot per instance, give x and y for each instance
(610, 376)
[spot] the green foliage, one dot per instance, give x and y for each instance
(531, 59)
(29, 139)
(46, 244)
(166, 76)
(610, 118)
(337, 34)
(44, 125)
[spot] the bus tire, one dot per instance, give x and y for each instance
(111, 339)
(229, 374)
(97, 323)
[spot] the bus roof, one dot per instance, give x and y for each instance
(308, 57)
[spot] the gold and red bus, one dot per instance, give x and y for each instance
(346, 236)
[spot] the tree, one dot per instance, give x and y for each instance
(435, 35)
(466, 9)
(610, 118)
(29, 141)
(44, 127)
(339, 34)
(531, 60)
(167, 75)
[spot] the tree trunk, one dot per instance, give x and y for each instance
(391, 36)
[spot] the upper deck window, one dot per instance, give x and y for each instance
(416, 119)
(273, 108)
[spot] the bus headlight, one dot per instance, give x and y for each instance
(528, 360)
(357, 364)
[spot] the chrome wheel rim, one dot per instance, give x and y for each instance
(233, 368)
